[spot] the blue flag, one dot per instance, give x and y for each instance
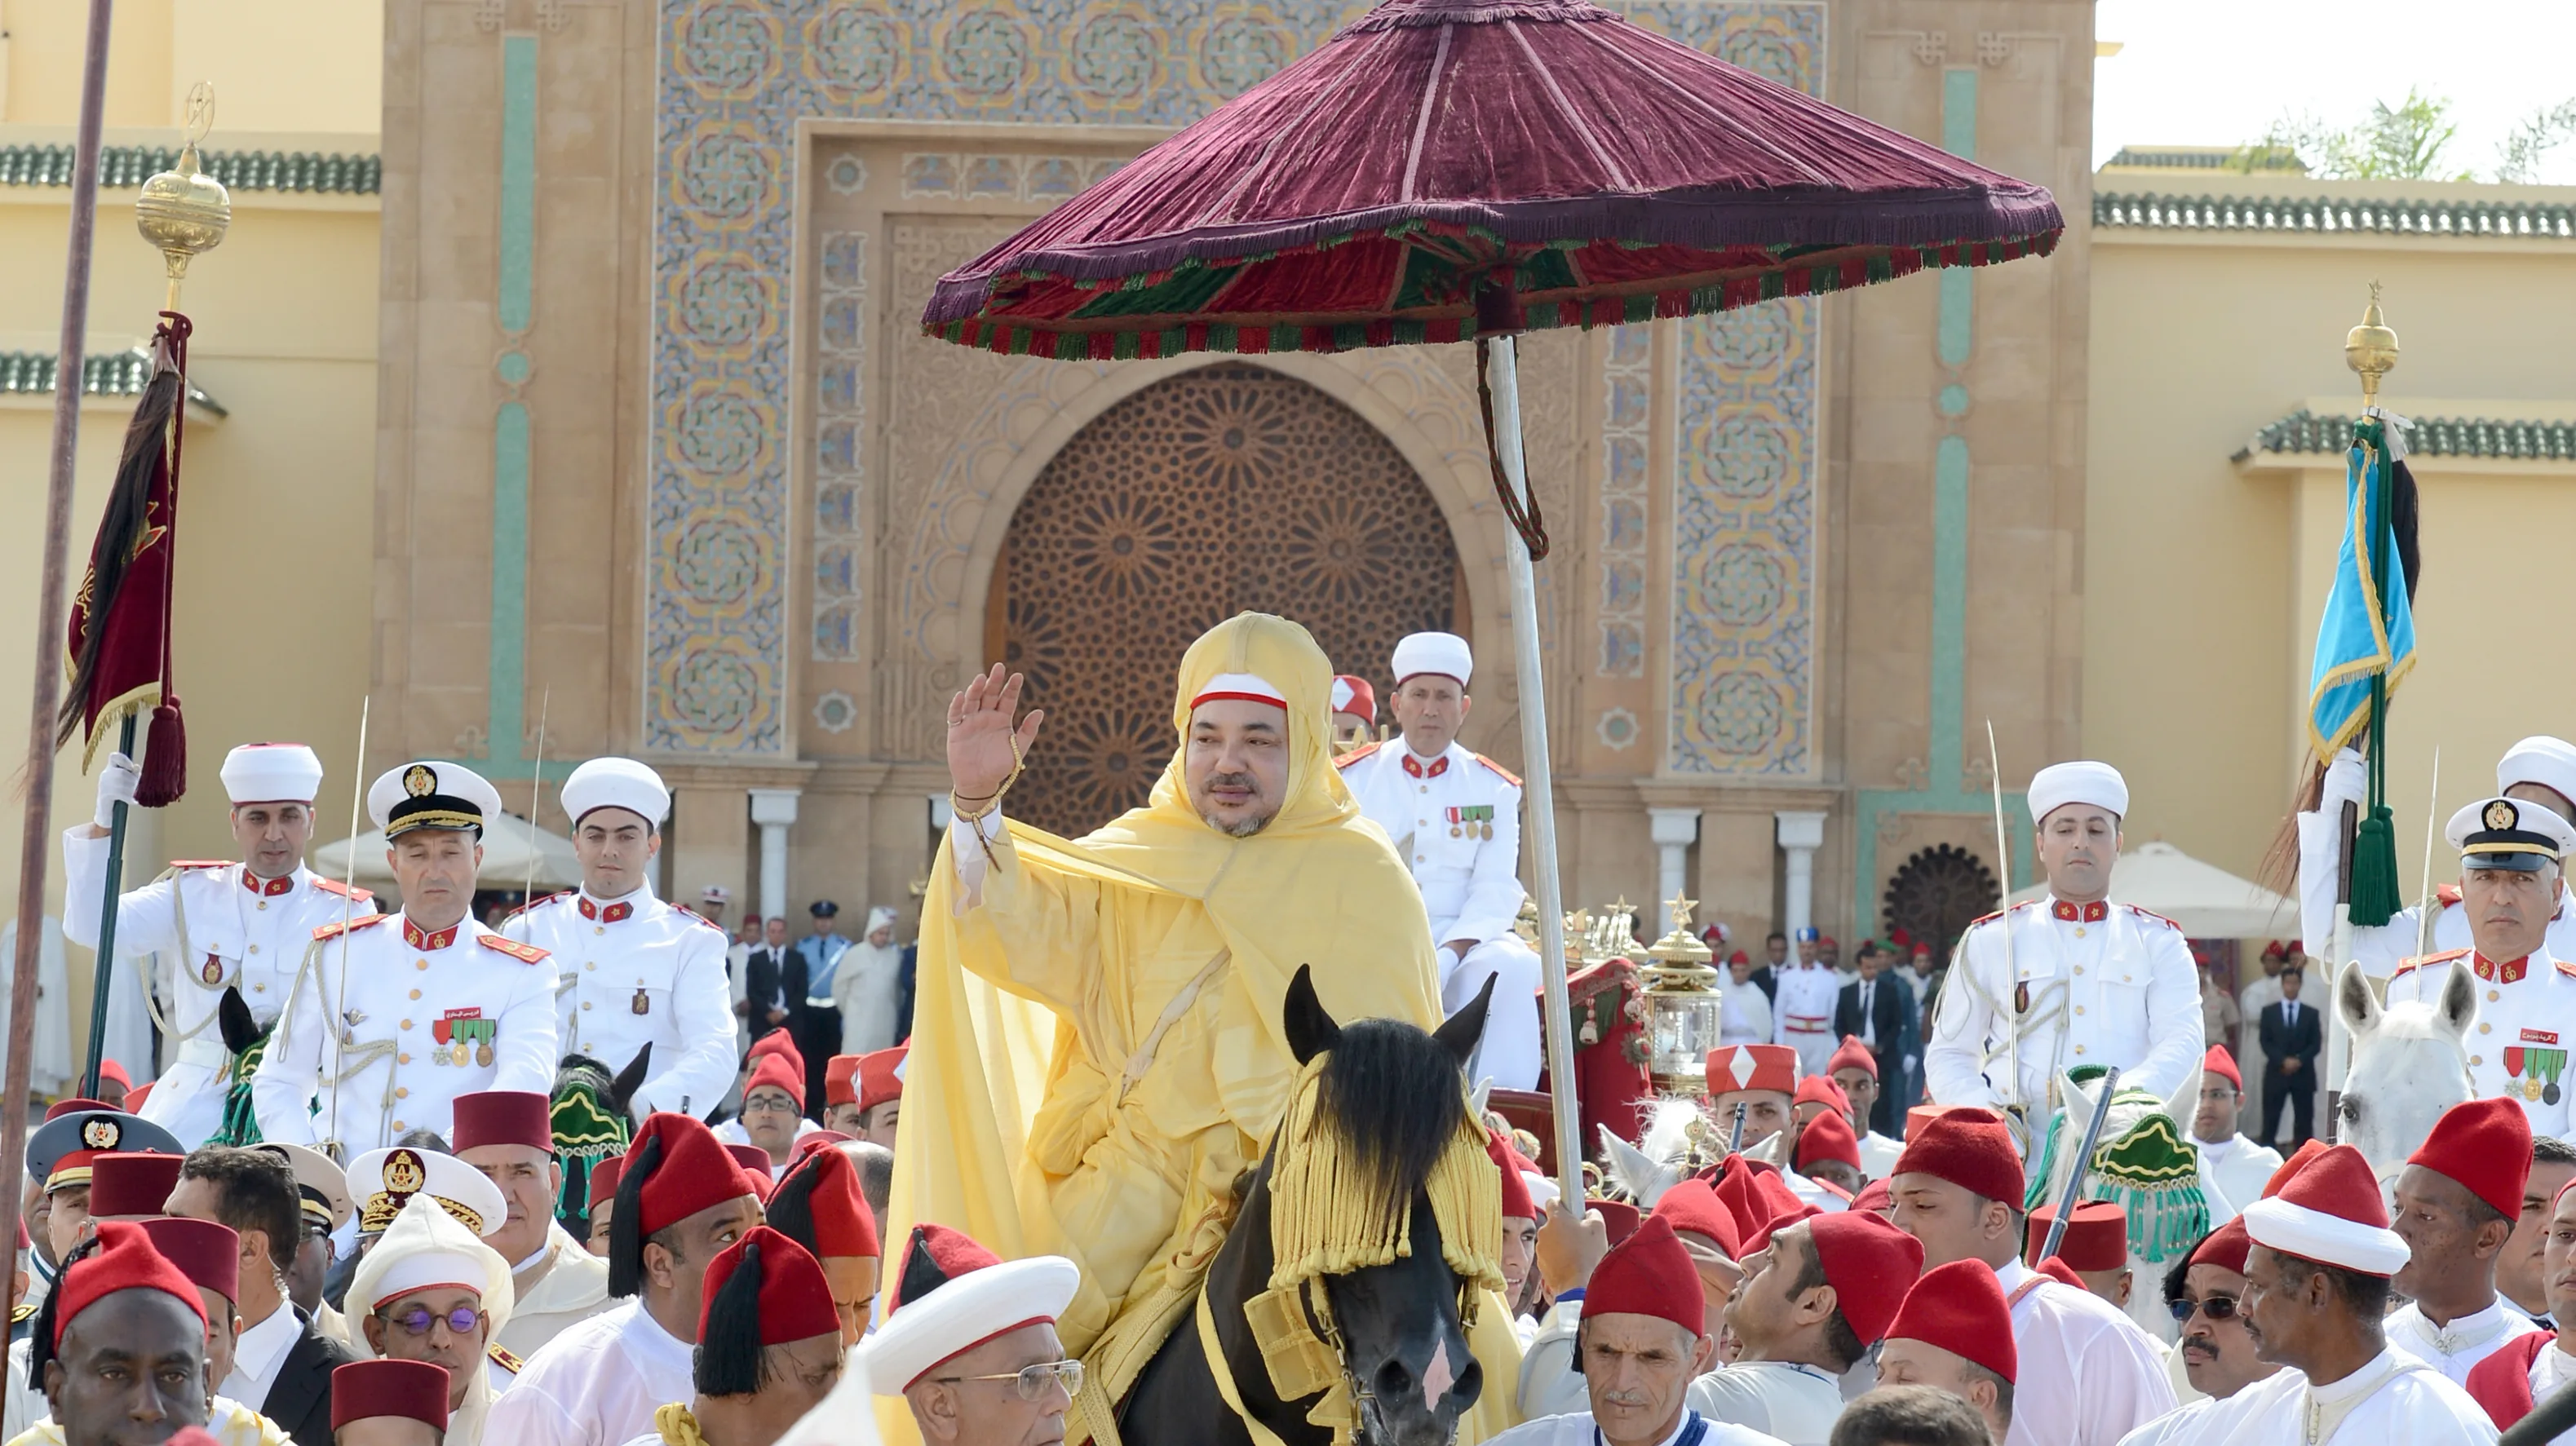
(2367, 630)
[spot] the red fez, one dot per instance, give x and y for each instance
(603, 1179)
(1869, 1263)
(1692, 1206)
(1517, 1204)
(1649, 1274)
(841, 1080)
(779, 1043)
(818, 1205)
(2219, 1062)
(2056, 1269)
(134, 1099)
(1828, 1137)
(1618, 1218)
(795, 1300)
(1756, 1194)
(2097, 1235)
(1739, 957)
(1352, 694)
(780, 1072)
(2226, 1247)
(1819, 1089)
(109, 1069)
(813, 1140)
(693, 1171)
(1752, 1067)
(755, 1168)
(413, 1390)
(1874, 1197)
(1971, 1149)
(881, 1076)
(2300, 1159)
(1760, 1240)
(131, 1184)
(207, 1253)
(503, 1117)
(1921, 1115)
(2485, 1145)
(1853, 1055)
(60, 1108)
(127, 1261)
(1960, 1308)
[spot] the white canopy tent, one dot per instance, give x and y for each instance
(508, 844)
(2208, 901)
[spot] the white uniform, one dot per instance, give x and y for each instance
(2394, 1398)
(573, 1289)
(2097, 983)
(221, 926)
(2526, 1025)
(1744, 1013)
(1803, 1014)
(2233, 1173)
(2553, 1370)
(634, 971)
(2088, 1376)
(1879, 1154)
(1577, 1430)
(422, 1018)
(229, 1421)
(1798, 1404)
(597, 1384)
(1456, 821)
(2454, 1348)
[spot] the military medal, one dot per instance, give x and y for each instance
(1485, 822)
(643, 1003)
(1455, 831)
(213, 973)
(2553, 1061)
(462, 1053)
(2515, 1056)
(482, 1056)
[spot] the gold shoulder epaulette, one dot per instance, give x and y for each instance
(2151, 914)
(24, 1313)
(2409, 966)
(335, 926)
(501, 1357)
(524, 953)
(1356, 754)
(183, 865)
(1509, 777)
(533, 903)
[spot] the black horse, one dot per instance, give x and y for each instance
(1394, 1094)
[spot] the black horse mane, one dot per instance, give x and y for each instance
(1389, 1094)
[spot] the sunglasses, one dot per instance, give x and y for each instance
(2216, 1307)
(418, 1320)
(1032, 1381)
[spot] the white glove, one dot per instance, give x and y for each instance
(117, 780)
(2347, 781)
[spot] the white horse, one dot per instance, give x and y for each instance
(2131, 1110)
(2410, 1062)
(1666, 1153)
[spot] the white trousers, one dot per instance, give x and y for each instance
(1510, 1053)
(1815, 1050)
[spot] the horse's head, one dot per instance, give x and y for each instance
(1663, 1156)
(1389, 1111)
(594, 1118)
(2410, 1062)
(2129, 1110)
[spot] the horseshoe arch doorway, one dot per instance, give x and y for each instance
(1226, 488)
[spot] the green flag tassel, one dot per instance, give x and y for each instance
(241, 1121)
(2375, 894)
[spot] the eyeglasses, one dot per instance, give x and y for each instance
(418, 1320)
(1032, 1381)
(2216, 1307)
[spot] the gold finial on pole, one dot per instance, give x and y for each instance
(2371, 350)
(183, 211)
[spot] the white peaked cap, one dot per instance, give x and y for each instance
(426, 1248)
(431, 793)
(616, 783)
(2549, 762)
(1444, 653)
(2503, 826)
(2060, 784)
(280, 773)
(384, 1182)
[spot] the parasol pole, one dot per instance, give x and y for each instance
(1541, 793)
(2424, 887)
(45, 696)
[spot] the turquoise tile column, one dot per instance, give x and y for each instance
(514, 307)
(1948, 742)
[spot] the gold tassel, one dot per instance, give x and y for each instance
(1326, 1219)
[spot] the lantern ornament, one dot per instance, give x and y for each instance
(1683, 1007)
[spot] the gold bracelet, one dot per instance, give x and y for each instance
(978, 814)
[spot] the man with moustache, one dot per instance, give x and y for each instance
(2217, 1351)
(2542, 1363)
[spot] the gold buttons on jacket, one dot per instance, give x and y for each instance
(2079, 1009)
(415, 994)
(585, 1004)
(406, 1024)
(2477, 1059)
(402, 1092)
(2493, 996)
(420, 964)
(254, 948)
(2484, 1028)
(402, 1059)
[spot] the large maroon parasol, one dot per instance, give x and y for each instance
(1454, 170)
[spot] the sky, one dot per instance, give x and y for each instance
(2219, 72)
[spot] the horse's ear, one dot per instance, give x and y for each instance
(1311, 1030)
(1642, 1177)
(233, 1017)
(621, 1090)
(2459, 1008)
(2185, 1101)
(2359, 1008)
(1462, 1029)
(2075, 1099)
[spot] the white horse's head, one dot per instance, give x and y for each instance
(2128, 1109)
(1660, 1160)
(2410, 1062)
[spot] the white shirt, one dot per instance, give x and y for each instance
(397, 995)
(596, 1384)
(1744, 1013)
(1798, 1404)
(2233, 1172)
(633, 971)
(1805, 1004)
(2173, 1426)
(1456, 822)
(260, 1353)
(2454, 1348)
(2106, 983)
(574, 1288)
(1577, 1430)
(2553, 1370)
(2395, 1400)
(1879, 1154)
(1868, 1022)
(2088, 1376)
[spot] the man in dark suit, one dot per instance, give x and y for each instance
(2292, 1036)
(1875, 1009)
(1766, 974)
(281, 1365)
(764, 981)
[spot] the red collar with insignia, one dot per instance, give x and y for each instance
(266, 888)
(423, 940)
(1413, 765)
(2092, 913)
(606, 913)
(2513, 970)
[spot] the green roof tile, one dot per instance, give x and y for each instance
(129, 166)
(2518, 220)
(2305, 431)
(116, 374)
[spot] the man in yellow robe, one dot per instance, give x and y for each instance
(1097, 1047)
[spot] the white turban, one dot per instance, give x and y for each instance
(1446, 654)
(2541, 759)
(2060, 784)
(284, 773)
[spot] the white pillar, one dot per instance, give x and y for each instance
(1801, 834)
(774, 809)
(1674, 831)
